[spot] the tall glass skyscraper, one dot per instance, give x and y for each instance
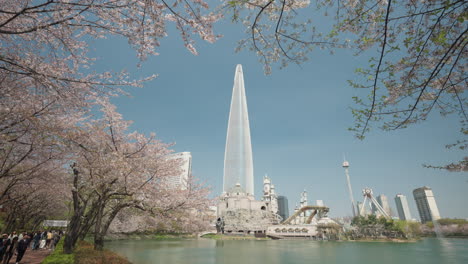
(238, 164)
(402, 207)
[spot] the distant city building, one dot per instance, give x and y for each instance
(283, 207)
(427, 207)
(319, 203)
(402, 207)
(360, 210)
(180, 180)
(383, 201)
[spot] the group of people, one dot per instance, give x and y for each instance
(12, 244)
(45, 240)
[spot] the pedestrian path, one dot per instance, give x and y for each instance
(32, 256)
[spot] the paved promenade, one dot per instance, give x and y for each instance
(32, 256)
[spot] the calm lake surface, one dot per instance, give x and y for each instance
(207, 251)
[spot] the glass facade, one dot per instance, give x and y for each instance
(238, 164)
(283, 207)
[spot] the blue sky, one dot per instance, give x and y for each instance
(298, 118)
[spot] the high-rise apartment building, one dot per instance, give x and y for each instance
(383, 201)
(360, 210)
(283, 207)
(402, 207)
(180, 180)
(427, 207)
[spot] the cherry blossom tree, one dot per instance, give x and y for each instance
(47, 91)
(189, 213)
(32, 206)
(45, 41)
(33, 200)
(419, 45)
(29, 133)
(47, 85)
(114, 170)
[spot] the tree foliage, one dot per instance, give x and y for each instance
(48, 89)
(372, 227)
(419, 49)
(114, 170)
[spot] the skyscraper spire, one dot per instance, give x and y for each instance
(238, 164)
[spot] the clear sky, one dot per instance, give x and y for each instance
(298, 118)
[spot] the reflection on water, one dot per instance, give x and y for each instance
(207, 251)
(447, 248)
(219, 243)
(437, 229)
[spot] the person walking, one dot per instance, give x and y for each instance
(4, 243)
(48, 237)
(43, 240)
(21, 249)
(55, 240)
(36, 239)
(13, 235)
(11, 250)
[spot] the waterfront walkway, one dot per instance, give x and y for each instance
(32, 256)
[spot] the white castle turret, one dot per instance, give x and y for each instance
(266, 188)
(269, 195)
(274, 200)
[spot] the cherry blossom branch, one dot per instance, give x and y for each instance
(377, 72)
(434, 73)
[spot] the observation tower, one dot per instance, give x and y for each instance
(350, 190)
(238, 164)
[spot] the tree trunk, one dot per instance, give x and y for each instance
(98, 236)
(37, 223)
(85, 229)
(99, 241)
(73, 232)
(102, 227)
(73, 229)
(10, 222)
(89, 220)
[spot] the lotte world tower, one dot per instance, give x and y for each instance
(238, 164)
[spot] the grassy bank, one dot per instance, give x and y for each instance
(57, 257)
(84, 254)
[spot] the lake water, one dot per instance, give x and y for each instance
(207, 251)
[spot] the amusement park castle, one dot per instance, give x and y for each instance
(237, 211)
